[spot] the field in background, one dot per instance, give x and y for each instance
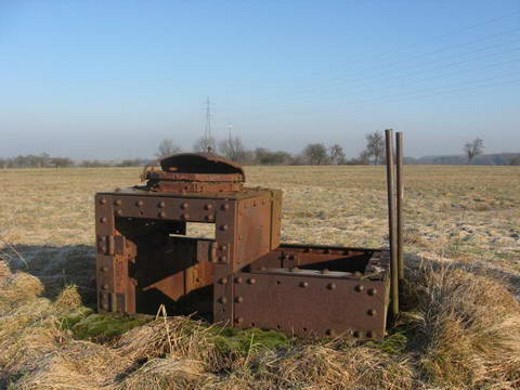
(466, 216)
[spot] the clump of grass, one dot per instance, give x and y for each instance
(468, 330)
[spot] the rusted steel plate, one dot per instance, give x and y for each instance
(207, 163)
(310, 305)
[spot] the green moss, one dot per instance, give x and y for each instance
(103, 327)
(69, 320)
(245, 342)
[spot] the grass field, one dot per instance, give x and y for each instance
(460, 330)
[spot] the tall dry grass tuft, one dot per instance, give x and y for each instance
(469, 329)
(177, 337)
(324, 366)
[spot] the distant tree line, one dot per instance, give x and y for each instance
(233, 148)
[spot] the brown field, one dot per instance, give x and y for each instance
(460, 330)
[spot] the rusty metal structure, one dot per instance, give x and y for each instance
(243, 276)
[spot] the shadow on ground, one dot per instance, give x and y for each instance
(57, 267)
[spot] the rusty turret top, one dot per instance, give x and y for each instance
(196, 173)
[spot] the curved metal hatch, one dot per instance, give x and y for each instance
(196, 172)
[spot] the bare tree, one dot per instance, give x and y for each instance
(166, 148)
(232, 148)
(375, 146)
(205, 144)
(473, 148)
(315, 154)
(336, 154)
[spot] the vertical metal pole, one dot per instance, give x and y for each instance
(392, 222)
(400, 200)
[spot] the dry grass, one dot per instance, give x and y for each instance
(460, 329)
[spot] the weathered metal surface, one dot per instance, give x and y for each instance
(310, 304)
(243, 276)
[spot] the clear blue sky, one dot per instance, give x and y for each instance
(111, 79)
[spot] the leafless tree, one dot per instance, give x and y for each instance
(232, 148)
(336, 154)
(375, 146)
(315, 154)
(205, 144)
(166, 148)
(473, 148)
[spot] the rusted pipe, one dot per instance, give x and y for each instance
(392, 221)
(400, 200)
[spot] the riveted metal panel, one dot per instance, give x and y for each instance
(311, 305)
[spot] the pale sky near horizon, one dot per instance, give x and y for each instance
(111, 79)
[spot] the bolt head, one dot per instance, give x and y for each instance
(372, 291)
(239, 280)
(224, 207)
(251, 281)
(208, 206)
(304, 284)
(162, 214)
(331, 286)
(103, 201)
(161, 204)
(223, 300)
(224, 227)
(239, 299)
(239, 320)
(139, 203)
(119, 212)
(371, 312)
(103, 219)
(184, 206)
(223, 281)
(359, 288)
(118, 202)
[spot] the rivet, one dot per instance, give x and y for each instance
(103, 201)
(304, 284)
(325, 271)
(208, 206)
(251, 281)
(223, 300)
(239, 280)
(104, 249)
(239, 299)
(210, 217)
(184, 206)
(162, 214)
(185, 216)
(223, 258)
(223, 281)
(119, 212)
(139, 203)
(239, 320)
(224, 227)
(225, 207)
(161, 204)
(105, 286)
(370, 334)
(103, 219)
(371, 312)
(331, 286)
(372, 291)
(104, 269)
(224, 247)
(291, 257)
(359, 288)
(104, 306)
(118, 202)
(357, 334)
